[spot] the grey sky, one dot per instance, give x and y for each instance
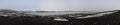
(61, 5)
(19, 4)
(79, 5)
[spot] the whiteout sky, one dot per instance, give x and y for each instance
(60, 5)
(79, 5)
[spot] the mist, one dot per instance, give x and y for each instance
(60, 5)
(79, 5)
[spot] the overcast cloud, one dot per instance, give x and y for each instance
(79, 5)
(61, 5)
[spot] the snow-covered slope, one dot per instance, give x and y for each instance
(57, 12)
